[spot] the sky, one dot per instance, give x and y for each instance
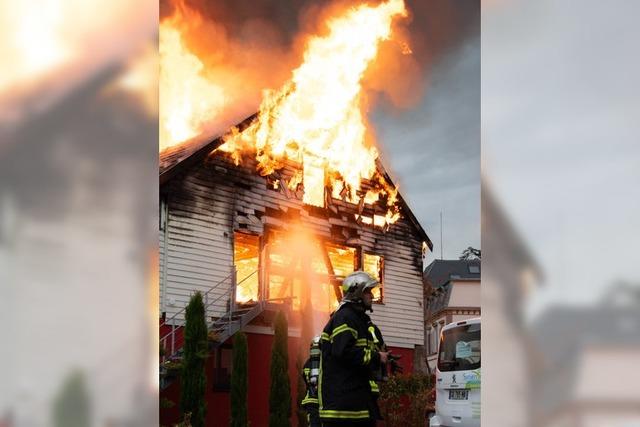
(433, 150)
(560, 139)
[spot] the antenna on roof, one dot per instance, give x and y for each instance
(441, 257)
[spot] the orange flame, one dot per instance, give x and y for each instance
(208, 74)
(140, 79)
(187, 99)
(317, 118)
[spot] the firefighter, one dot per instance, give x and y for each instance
(310, 373)
(348, 358)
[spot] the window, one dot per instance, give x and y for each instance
(246, 258)
(222, 369)
(343, 259)
(460, 349)
(299, 266)
(474, 269)
(374, 264)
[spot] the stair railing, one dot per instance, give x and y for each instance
(172, 319)
(174, 329)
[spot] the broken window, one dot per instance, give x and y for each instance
(246, 257)
(283, 274)
(343, 260)
(374, 264)
(300, 266)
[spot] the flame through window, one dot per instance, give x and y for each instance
(246, 257)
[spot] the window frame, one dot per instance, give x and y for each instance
(267, 269)
(357, 256)
(381, 272)
(260, 261)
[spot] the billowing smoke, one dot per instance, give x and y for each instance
(223, 55)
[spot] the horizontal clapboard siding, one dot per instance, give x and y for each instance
(161, 252)
(214, 198)
(199, 253)
(400, 317)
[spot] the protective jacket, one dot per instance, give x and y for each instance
(377, 344)
(310, 401)
(347, 360)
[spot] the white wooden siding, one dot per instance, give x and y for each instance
(213, 199)
(161, 277)
(199, 254)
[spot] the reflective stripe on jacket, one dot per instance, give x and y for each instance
(346, 363)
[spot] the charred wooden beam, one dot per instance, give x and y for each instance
(332, 274)
(182, 157)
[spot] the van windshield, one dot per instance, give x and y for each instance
(460, 349)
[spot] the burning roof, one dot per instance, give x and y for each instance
(315, 123)
(177, 160)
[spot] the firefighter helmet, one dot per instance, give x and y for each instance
(354, 285)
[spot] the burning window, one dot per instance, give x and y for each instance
(374, 264)
(300, 266)
(246, 257)
(342, 259)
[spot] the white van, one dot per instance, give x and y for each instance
(458, 376)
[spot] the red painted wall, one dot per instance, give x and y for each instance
(406, 361)
(259, 377)
(218, 406)
(177, 340)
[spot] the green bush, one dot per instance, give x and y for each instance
(195, 353)
(71, 406)
(404, 400)
(239, 381)
(280, 390)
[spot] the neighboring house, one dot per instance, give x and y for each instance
(250, 244)
(452, 293)
(509, 277)
(588, 375)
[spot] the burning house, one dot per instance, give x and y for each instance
(252, 246)
(276, 211)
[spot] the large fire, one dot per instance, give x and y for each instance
(208, 74)
(317, 118)
(187, 99)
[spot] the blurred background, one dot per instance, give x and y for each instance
(560, 213)
(78, 210)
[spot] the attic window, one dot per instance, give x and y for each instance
(474, 269)
(374, 265)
